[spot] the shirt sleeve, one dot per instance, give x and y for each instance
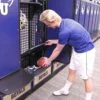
(63, 37)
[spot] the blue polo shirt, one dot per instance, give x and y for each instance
(74, 34)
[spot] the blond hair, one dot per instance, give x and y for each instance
(49, 15)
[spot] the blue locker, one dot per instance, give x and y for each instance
(82, 13)
(93, 33)
(94, 18)
(98, 22)
(91, 19)
(77, 10)
(9, 37)
(87, 14)
(97, 19)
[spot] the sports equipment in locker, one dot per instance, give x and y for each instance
(23, 20)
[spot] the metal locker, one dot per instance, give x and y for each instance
(77, 10)
(87, 14)
(91, 18)
(94, 18)
(97, 19)
(82, 13)
(98, 22)
(93, 34)
(9, 38)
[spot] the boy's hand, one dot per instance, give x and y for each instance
(51, 42)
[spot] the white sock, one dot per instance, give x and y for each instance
(88, 96)
(67, 85)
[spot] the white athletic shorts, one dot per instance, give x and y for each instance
(83, 63)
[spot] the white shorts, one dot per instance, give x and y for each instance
(83, 63)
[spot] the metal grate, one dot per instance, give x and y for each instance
(32, 35)
(36, 31)
(24, 33)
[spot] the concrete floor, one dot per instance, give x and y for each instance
(77, 90)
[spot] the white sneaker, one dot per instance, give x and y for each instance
(61, 92)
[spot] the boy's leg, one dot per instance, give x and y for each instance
(71, 76)
(86, 70)
(88, 88)
(65, 90)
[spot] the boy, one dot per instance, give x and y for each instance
(83, 52)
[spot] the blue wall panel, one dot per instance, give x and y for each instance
(62, 9)
(9, 37)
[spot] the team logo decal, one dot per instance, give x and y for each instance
(4, 7)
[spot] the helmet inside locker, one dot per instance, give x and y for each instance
(23, 20)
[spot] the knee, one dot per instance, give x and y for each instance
(72, 72)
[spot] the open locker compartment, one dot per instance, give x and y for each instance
(33, 35)
(32, 38)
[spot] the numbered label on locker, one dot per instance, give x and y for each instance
(57, 65)
(42, 75)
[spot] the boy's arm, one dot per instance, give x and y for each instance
(54, 54)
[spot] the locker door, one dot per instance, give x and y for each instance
(77, 9)
(91, 19)
(9, 38)
(82, 13)
(87, 14)
(97, 19)
(94, 19)
(93, 34)
(98, 22)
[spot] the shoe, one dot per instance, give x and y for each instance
(60, 92)
(88, 99)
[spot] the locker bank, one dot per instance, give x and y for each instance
(22, 38)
